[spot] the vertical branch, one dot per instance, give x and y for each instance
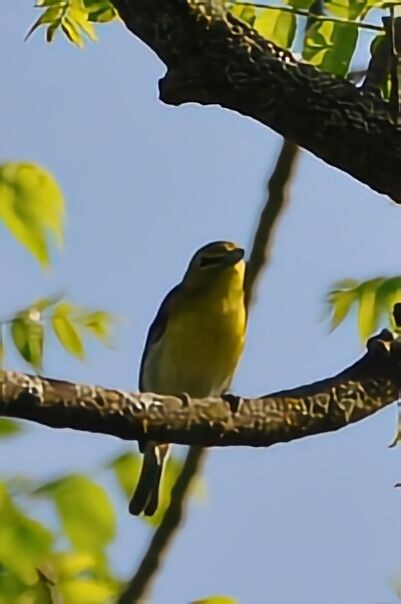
(276, 203)
(141, 583)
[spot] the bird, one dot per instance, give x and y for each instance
(193, 346)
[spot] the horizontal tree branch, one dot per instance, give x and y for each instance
(214, 58)
(370, 384)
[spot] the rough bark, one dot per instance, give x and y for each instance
(373, 382)
(214, 58)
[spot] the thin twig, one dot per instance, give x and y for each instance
(276, 203)
(142, 582)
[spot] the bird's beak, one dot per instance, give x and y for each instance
(235, 256)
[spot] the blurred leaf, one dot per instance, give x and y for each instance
(66, 330)
(98, 323)
(277, 26)
(83, 566)
(86, 512)
(375, 299)
(367, 312)
(300, 4)
(330, 46)
(43, 303)
(340, 301)
(15, 591)
(388, 293)
(24, 542)
(346, 9)
(9, 427)
(18, 484)
(31, 206)
(216, 600)
(11, 586)
(27, 335)
(72, 564)
(245, 13)
(88, 591)
(127, 468)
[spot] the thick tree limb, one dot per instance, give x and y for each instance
(370, 384)
(214, 58)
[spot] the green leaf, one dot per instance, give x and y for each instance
(9, 427)
(243, 12)
(375, 298)
(388, 293)
(72, 564)
(66, 330)
(100, 11)
(27, 335)
(340, 300)
(277, 26)
(98, 323)
(330, 46)
(43, 304)
(127, 468)
(51, 15)
(88, 591)
(346, 9)
(300, 4)
(31, 206)
(70, 29)
(74, 18)
(367, 312)
(85, 510)
(24, 542)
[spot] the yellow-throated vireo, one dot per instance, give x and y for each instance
(193, 346)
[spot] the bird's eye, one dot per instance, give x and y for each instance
(207, 261)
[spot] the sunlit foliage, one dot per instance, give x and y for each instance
(75, 18)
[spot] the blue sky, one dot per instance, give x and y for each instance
(314, 521)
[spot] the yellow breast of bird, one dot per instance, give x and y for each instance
(199, 349)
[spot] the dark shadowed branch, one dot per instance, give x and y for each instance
(214, 58)
(275, 205)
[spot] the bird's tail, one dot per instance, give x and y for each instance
(146, 496)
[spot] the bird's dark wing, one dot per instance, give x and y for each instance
(156, 329)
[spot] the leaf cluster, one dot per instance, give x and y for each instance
(68, 322)
(373, 301)
(325, 34)
(75, 18)
(67, 562)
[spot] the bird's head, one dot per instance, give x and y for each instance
(217, 261)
